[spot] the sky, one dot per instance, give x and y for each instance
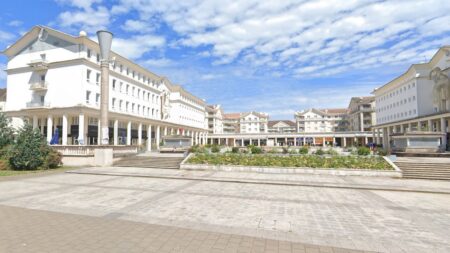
(270, 56)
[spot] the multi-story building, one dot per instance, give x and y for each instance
(361, 113)
(320, 120)
(417, 100)
(282, 126)
(2, 99)
(53, 82)
(215, 119)
(253, 122)
(231, 122)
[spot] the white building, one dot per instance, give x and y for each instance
(253, 122)
(215, 119)
(361, 113)
(417, 100)
(53, 81)
(282, 126)
(2, 99)
(320, 120)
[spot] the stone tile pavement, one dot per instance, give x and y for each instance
(371, 220)
(26, 230)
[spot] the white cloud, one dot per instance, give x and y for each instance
(137, 26)
(86, 16)
(158, 62)
(299, 35)
(136, 46)
(15, 23)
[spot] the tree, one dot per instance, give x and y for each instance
(29, 151)
(6, 131)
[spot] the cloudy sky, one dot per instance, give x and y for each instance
(264, 55)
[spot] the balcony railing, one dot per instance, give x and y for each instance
(37, 104)
(38, 64)
(39, 86)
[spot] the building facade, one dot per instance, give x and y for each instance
(215, 119)
(2, 99)
(320, 120)
(282, 126)
(417, 101)
(361, 113)
(253, 122)
(53, 82)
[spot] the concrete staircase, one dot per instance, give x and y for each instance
(151, 161)
(424, 167)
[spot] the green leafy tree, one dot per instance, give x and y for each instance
(29, 151)
(6, 131)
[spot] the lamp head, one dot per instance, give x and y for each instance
(104, 41)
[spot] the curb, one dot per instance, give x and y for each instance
(262, 182)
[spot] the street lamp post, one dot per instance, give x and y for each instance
(104, 41)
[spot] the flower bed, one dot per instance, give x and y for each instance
(298, 161)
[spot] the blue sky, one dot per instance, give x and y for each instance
(270, 56)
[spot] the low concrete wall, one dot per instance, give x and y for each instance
(292, 170)
(77, 160)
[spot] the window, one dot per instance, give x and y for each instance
(88, 75)
(88, 53)
(98, 57)
(128, 87)
(128, 105)
(133, 92)
(88, 96)
(114, 84)
(97, 99)
(43, 78)
(97, 78)
(121, 105)
(121, 87)
(132, 107)
(121, 68)
(113, 103)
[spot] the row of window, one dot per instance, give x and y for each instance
(396, 92)
(397, 104)
(138, 109)
(399, 115)
(124, 70)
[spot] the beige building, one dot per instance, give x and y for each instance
(361, 114)
(321, 120)
(282, 126)
(246, 122)
(215, 119)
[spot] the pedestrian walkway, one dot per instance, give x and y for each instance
(350, 182)
(25, 230)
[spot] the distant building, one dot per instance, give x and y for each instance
(2, 99)
(321, 120)
(282, 126)
(247, 122)
(215, 119)
(361, 113)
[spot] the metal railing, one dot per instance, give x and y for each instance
(40, 85)
(38, 104)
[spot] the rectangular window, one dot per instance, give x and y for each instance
(113, 103)
(97, 78)
(88, 75)
(88, 53)
(98, 57)
(114, 84)
(88, 96)
(97, 99)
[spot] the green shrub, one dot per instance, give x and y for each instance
(29, 151)
(303, 150)
(215, 149)
(273, 151)
(319, 152)
(193, 149)
(363, 151)
(256, 150)
(53, 159)
(4, 165)
(235, 150)
(293, 152)
(331, 152)
(6, 131)
(382, 152)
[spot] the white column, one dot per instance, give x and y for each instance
(99, 130)
(129, 133)
(314, 141)
(409, 127)
(402, 128)
(242, 142)
(149, 138)
(334, 141)
(323, 142)
(116, 132)
(344, 142)
(259, 142)
(295, 141)
(226, 142)
(35, 122)
(379, 136)
(165, 131)
(158, 137)
(140, 134)
(366, 140)
(64, 129)
(81, 129)
(49, 128)
(430, 125)
(444, 130)
(178, 131)
(362, 121)
(192, 139)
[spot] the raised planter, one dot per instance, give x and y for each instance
(396, 173)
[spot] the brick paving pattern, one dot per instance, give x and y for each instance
(25, 230)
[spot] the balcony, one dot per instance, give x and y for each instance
(39, 86)
(38, 64)
(37, 104)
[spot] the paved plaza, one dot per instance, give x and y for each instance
(107, 213)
